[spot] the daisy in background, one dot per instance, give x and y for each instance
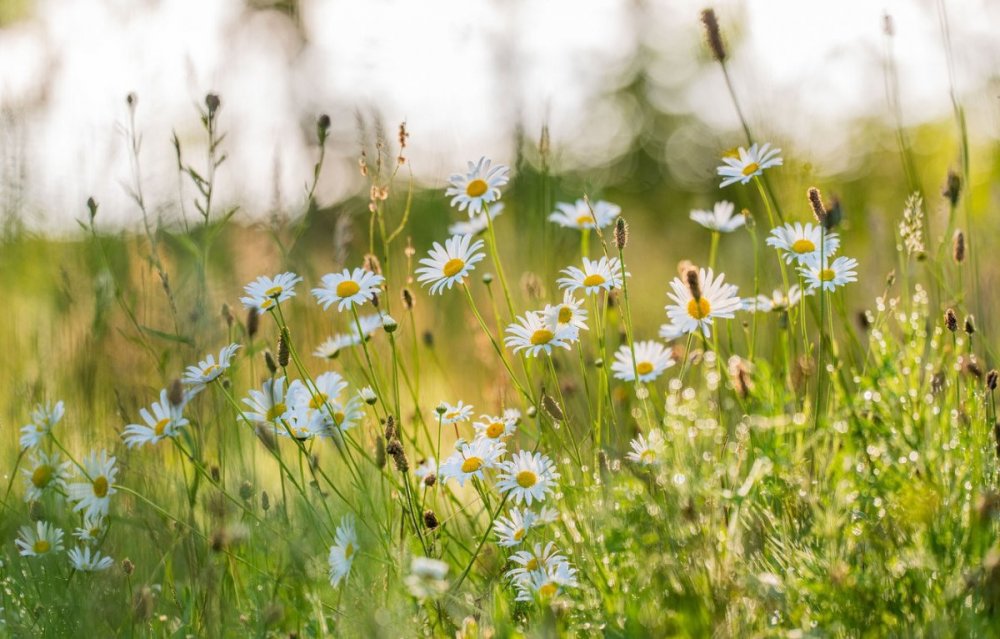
(208, 370)
(268, 404)
(533, 334)
(651, 359)
(460, 412)
(345, 546)
(799, 243)
(539, 559)
(546, 584)
(94, 495)
(748, 164)
(582, 214)
(647, 451)
(492, 427)
(478, 223)
(472, 459)
(671, 332)
(478, 186)
(43, 539)
(596, 275)
(338, 416)
(427, 577)
(527, 477)
(265, 292)
(513, 528)
(347, 288)
(327, 386)
(164, 421)
(570, 312)
(331, 348)
(83, 560)
(720, 218)
(451, 263)
(46, 473)
(92, 529)
(778, 301)
(829, 276)
(700, 299)
(43, 418)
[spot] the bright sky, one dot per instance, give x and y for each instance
(461, 72)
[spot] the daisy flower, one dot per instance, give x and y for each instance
(720, 218)
(829, 276)
(343, 550)
(265, 292)
(43, 418)
(326, 386)
(338, 417)
(651, 359)
(347, 288)
(596, 275)
(46, 473)
(267, 405)
(570, 312)
(539, 559)
(94, 495)
(92, 529)
(715, 299)
(647, 451)
(460, 412)
(579, 216)
(208, 370)
(533, 334)
(478, 186)
(527, 477)
(451, 263)
(477, 223)
(472, 459)
(495, 427)
(164, 421)
(427, 577)
(81, 559)
(670, 332)
(546, 584)
(331, 348)
(800, 242)
(748, 164)
(778, 301)
(40, 540)
(512, 529)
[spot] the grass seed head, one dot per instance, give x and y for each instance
(713, 35)
(693, 281)
(816, 202)
(253, 322)
(952, 188)
(951, 320)
(970, 325)
(621, 233)
(958, 246)
(430, 520)
(408, 301)
(552, 407)
(272, 365)
(283, 349)
(991, 379)
(176, 393)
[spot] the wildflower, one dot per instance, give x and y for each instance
(596, 275)
(651, 359)
(829, 275)
(331, 348)
(208, 370)
(527, 477)
(715, 299)
(478, 186)
(368, 396)
(40, 540)
(94, 495)
(647, 451)
(533, 334)
(477, 223)
(92, 529)
(460, 412)
(343, 550)
(546, 584)
(347, 288)
(539, 559)
(512, 529)
(748, 164)
(670, 332)
(492, 427)
(83, 560)
(720, 218)
(268, 404)
(582, 214)
(800, 243)
(778, 301)
(46, 473)
(451, 263)
(427, 577)
(472, 459)
(265, 292)
(569, 313)
(164, 421)
(43, 418)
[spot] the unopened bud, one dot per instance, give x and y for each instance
(212, 102)
(970, 325)
(430, 520)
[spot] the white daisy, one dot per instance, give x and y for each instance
(533, 334)
(449, 264)
(651, 359)
(40, 540)
(830, 276)
(369, 324)
(478, 223)
(478, 186)
(579, 215)
(720, 218)
(94, 494)
(546, 515)
(596, 275)
(165, 420)
(427, 577)
(527, 477)
(748, 164)
(347, 288)
(670, 332)
(460, 412)
(92, 529)
(472, 459)
(492, 427)
(81, 559)
(43, 418)
(778, 301)
(546, 584)
(331, 348)
(208, 370)
(569, 312)
(647, 451)
(717, 299)
(343, 550)
(264, 292)
(513, 528)
(267, 405)
(46, 473)
(541, 558)
(800, 243)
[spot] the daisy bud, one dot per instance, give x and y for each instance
(253, 322)
(212, 102)
(322, 127)
(599, 362)
(991, 379)
(953, 187)
(176, 393)
(128, 567)
(621, 233)
(693, 282)
(951, 320)
(272, 366)
(958, 247)
(430, 479)
(368, 395)
(487, 278)
(816, 202)
(459, 443)
(407, 299)
(552, 407)
(430, 520)
(265, 501)
(246, 490)
(441, 408)
(371, 264)
(379, 452)
(227, 315)
(283, 352)
(970, 325)
(713, 35)
(531, 412)
(92, 208)
(389, 324)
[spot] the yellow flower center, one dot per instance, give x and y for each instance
(348, 288)
(210, 370)
(476, 187)
(585, 219)
(827, 274)
(751, 168)
(532, 564)
(161, 426)
(318, 400)
(593, 280)
(471, 464)
(101, 486)
(648, 456)
(548, 590)
(276, 411)
(519, 534)
(452, 415)
(274, 291)
(541, 336)
(565, 314)
(494, 430)
(526, 479)
(699, 309)
(644, 368)
(349, 551)
(452, 267)
(42, 476)
(266, 304)
(339, 417)
(41, 546)
(803, 246)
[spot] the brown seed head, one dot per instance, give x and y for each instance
(621, 233)
(991, 379)
(227, 315)
(128, 567)
(430, 520)
(958, 246)
(176, 393)
(952, 188)
(253, 322)
(407, 299)
(693, 280)
(283, 352)
(713, 35)
(970, 325)
(371, 264)
(951, 320)
(816, 202)
(212, 102)
(272, 366)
